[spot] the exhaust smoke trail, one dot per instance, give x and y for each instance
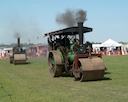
(17, 35)
(71, 17)
(81, 15)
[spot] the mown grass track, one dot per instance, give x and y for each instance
(32, 83)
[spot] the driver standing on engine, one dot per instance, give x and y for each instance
(50, 42)
(66, 42)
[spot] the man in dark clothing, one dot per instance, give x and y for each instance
(50, 42)
(66, 42)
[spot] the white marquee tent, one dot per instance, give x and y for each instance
(110, 43)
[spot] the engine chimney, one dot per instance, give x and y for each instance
(80, 30)
(18, 42)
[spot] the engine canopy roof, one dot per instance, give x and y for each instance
(69, 31)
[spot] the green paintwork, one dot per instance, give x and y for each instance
(72, 47)
(71, 56)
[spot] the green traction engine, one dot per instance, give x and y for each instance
(68, 54)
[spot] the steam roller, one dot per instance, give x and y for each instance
(68, 54)
(18, 55)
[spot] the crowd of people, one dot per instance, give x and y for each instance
(53, 44)
(109, 52)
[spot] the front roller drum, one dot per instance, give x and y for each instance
(55, 64)
(19, 62)
(89, 69)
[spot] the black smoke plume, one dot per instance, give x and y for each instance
(17, 35)
(81, 15)
(71, 17)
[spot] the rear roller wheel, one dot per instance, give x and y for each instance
(14, 62)
(11, 60)
(54, 61)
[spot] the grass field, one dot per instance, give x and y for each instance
(32, 83)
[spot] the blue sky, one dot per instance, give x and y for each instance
(33, 18)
